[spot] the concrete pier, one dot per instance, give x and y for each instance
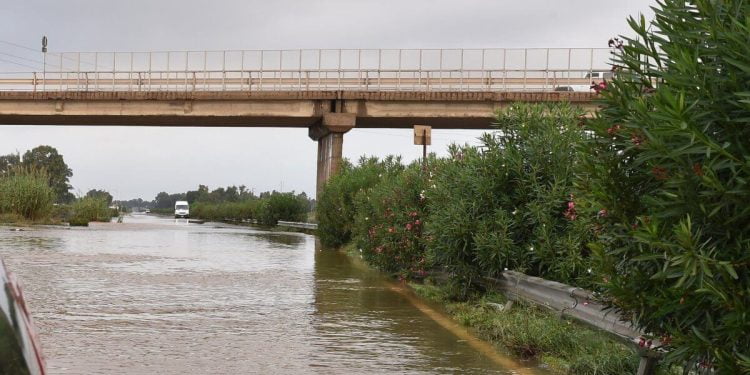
(330, 137)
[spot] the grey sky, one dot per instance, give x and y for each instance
(140, 162)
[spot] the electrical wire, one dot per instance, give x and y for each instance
(22, 58)
(20, 64)
(49, 53)
(18, 45)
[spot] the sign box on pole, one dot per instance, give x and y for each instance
(422, 135)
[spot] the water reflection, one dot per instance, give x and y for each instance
(153, 296)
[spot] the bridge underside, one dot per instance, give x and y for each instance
(327, 114)
(447, 110)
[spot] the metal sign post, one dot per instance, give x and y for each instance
(44, 63)
(423, 137)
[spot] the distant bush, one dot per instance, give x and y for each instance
(507, 204)
(267, 210)
(389, 222)
(335, 206)
(26, 192)
(281, 206)
(243, 210)
(89, 209)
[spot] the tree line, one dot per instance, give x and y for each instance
(239, 203)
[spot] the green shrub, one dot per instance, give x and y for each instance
(389, 222)
(335, 206)
(670, 168)
(281, 206)
(506, 204)
(242, 210)
(87, 209)
(26, 192)
(62, 212)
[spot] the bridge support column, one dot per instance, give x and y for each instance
(330, 136)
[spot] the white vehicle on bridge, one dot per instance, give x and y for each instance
(591, 77)
(181, 209)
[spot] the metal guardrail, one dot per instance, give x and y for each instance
(578, 304)
(536, 69)
(294, 224)
(571, 301)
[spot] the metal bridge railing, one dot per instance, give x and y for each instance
(308, 70)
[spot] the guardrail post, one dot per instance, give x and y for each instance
(647, 365)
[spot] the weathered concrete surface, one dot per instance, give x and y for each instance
(330, 137)
(373, 109)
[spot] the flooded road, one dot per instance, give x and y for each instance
(153, 296)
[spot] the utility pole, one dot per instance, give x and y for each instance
(44, 63)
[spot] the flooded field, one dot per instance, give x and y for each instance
(154, 295)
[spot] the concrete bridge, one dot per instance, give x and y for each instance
(447, 89)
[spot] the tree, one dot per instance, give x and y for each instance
(670, 179)
(163, 200)
(199, 195)
(47, 158)
(8, 162)
(101, 194)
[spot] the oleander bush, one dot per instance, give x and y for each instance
(389, 223)
(508, 205)
(670, 167)
(335, 206)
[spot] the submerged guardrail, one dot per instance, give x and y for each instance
(295, 224)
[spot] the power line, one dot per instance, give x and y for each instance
(18, 45)
(49, 53)
(20, 64)
(21, 57)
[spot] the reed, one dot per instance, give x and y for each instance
(25, 192)
(89, 209)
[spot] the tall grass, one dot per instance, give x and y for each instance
(89, 209)
(25, 192)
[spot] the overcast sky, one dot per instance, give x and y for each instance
(142, 161)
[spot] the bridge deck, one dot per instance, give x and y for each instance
(373, 109)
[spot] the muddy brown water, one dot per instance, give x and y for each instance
(158, 296)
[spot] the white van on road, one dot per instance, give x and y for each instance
(181, 209)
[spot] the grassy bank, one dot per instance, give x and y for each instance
(531, 332)
(18, 220)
